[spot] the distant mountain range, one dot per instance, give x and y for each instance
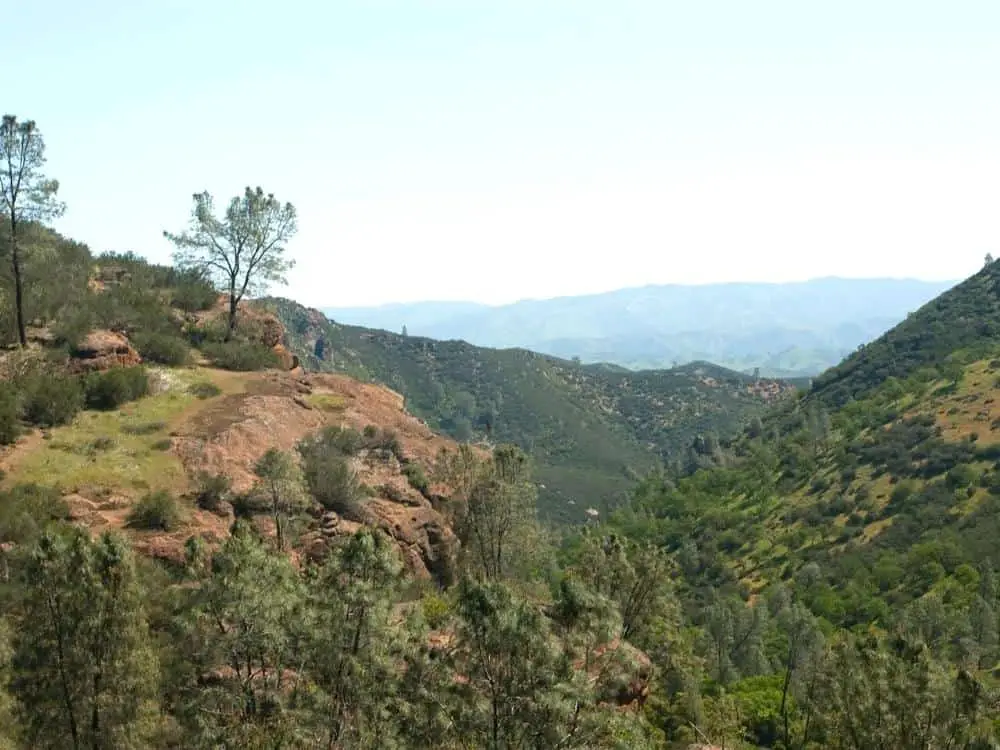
(786, 330)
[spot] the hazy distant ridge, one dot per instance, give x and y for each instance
(798, 328)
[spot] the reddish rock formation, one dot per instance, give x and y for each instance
(278, 410)
(103, 350)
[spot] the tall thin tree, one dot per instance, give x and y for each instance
(25, 196)
(243, 251)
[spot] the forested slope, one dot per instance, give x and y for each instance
(591, 429)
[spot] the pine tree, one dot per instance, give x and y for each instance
(280, 484)
(355, 642)
(84, 673)
(244, 635)
(25, 196)
(499, 529)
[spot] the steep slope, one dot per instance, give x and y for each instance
(880, 486)
(591, 429)
(201, 419)
(784, 329)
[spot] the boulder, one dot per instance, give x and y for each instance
(288, 361)
(427, 542)
(103, 350)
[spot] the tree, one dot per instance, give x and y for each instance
(499, 529)
(243, 251)
(355, 640)
(244, 634)
(26, 194)
(734, 633)
(636, 578)
(281, 486)
(877, 694)
(803, 648)
(519, 689)
(84, 673)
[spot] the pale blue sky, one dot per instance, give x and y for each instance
(494, 150)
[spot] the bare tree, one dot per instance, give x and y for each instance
(26, 195)
(243, 251)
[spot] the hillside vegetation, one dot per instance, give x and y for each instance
(592, 430)
(786, 330)
(872, 502)
(316, 567)
(204, 546)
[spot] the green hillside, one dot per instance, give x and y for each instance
(882, 483)
(591, 429)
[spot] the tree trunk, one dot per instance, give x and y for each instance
(15, 257)
(231, 329)
(784, 701)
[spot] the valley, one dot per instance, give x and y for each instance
(227, 521)
(592, 429)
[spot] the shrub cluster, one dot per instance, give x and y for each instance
(10, 426)
(204, 389)
(51, 399)
(240, 356)
(157, 511)
(110, 389)
(162, 348)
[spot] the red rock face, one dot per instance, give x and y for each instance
(103, 350)
(229, 435)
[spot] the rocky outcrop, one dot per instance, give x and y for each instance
(103, 350)
(287, 360)
(278, 410)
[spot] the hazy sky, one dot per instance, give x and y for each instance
(495, 150)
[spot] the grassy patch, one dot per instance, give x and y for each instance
(115, 449)
(328, 402)
(204, 389)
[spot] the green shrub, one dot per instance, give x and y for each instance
(436, 610)
(240, 356)
(329, 475)
(247, 505)
(10, 426)
(143, 428)
(193, 290)
(156, 511)
(73, 325)
(962, 475)
(26, 509)
(162, 445)
(340, 440)
(110, 389)
(213, 490)
(162, 348)
(204, 389)
(415, 475)
(51, 399)
(345, 439)
(387, 441)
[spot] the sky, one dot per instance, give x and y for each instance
(495, 150)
